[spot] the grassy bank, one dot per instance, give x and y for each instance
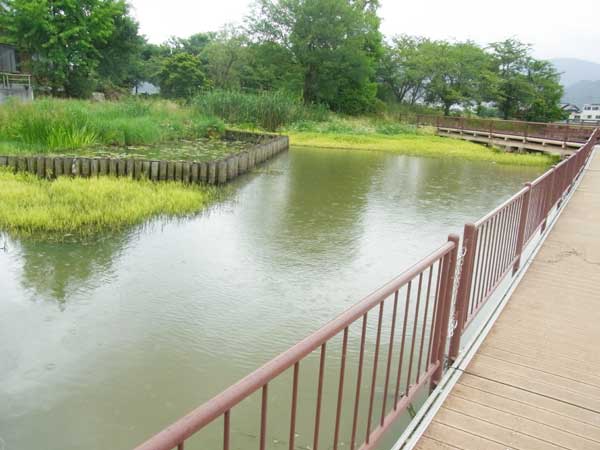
(81, 206)
(54, 125)
(418, 144)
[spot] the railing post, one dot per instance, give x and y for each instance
(447, 285)
(566, 136)
(462, 125)
(549, 196)
(522, 224)
(464, 287)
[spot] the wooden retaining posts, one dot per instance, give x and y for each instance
(265, 147)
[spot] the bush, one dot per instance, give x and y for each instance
(267, 110)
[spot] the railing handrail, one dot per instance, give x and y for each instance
(512, 224)
(497, 120)
(182, 429)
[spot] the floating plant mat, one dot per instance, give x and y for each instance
(197, 150)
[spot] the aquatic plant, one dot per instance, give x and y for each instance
(30, 206)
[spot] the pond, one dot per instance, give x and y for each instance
(105, 342)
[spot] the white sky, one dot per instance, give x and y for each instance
(555, 28)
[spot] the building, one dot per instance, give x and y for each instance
(590, 113)
(573, 111)
(13, 84)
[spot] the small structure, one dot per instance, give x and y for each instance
(591, 113)
(573, 111)
(12, 82)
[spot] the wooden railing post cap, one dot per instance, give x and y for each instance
(453, 237)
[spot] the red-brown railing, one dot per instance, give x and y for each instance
(560, 132)
(406, 350)
(420, 309)
(493, 246)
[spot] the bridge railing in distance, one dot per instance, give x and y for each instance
(493, 246)
(560, 132)
(417, 328)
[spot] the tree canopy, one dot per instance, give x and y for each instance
(327, 52)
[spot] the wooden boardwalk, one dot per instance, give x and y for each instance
(535, 381)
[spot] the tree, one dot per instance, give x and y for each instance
(459, 75)
(225, 57)
(121, 56)
(65, 38)
(335, 43)
(181, 76)
(404, 68)
(528, 89)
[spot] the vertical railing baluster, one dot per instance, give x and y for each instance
(389, 358)
(423, 327)
(374, 379)
(294, 406)
(338, 413)
(358, 382)
(319, 397)
(263, 417)
(402, 344)
(522, 223)
(438, 285)
(414, 332)
(226, 429)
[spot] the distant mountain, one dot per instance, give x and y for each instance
(574, 70)
(581, 80)
(582, 92)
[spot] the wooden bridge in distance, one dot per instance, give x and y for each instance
(560, 139)
(535, 381)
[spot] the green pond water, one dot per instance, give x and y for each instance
(105, 342)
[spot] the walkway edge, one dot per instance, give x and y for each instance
(411, 436)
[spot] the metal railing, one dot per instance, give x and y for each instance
(559, 132)
(420, 309)
(493, 246)
(417, 331)
(10, 80)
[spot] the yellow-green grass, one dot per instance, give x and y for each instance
(420, 144)
(53, 210)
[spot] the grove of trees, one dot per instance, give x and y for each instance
(327, 52)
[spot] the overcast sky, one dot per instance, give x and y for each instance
(554, 28)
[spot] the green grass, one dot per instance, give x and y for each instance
(54, 125)
(54, 210)
(421, 143)
(265, 110)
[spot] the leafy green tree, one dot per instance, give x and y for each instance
(527, 88)
(404, 68)
(459, 75)
(225, 57)
(121, 63)
(65, 37)
(547, 92)
(335, 43)
(181, 76)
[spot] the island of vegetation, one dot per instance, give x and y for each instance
(288, 69)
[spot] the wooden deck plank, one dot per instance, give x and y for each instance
(508, 437)
(519, 423)
(460, 439)
(528, 411)
(535, 381)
